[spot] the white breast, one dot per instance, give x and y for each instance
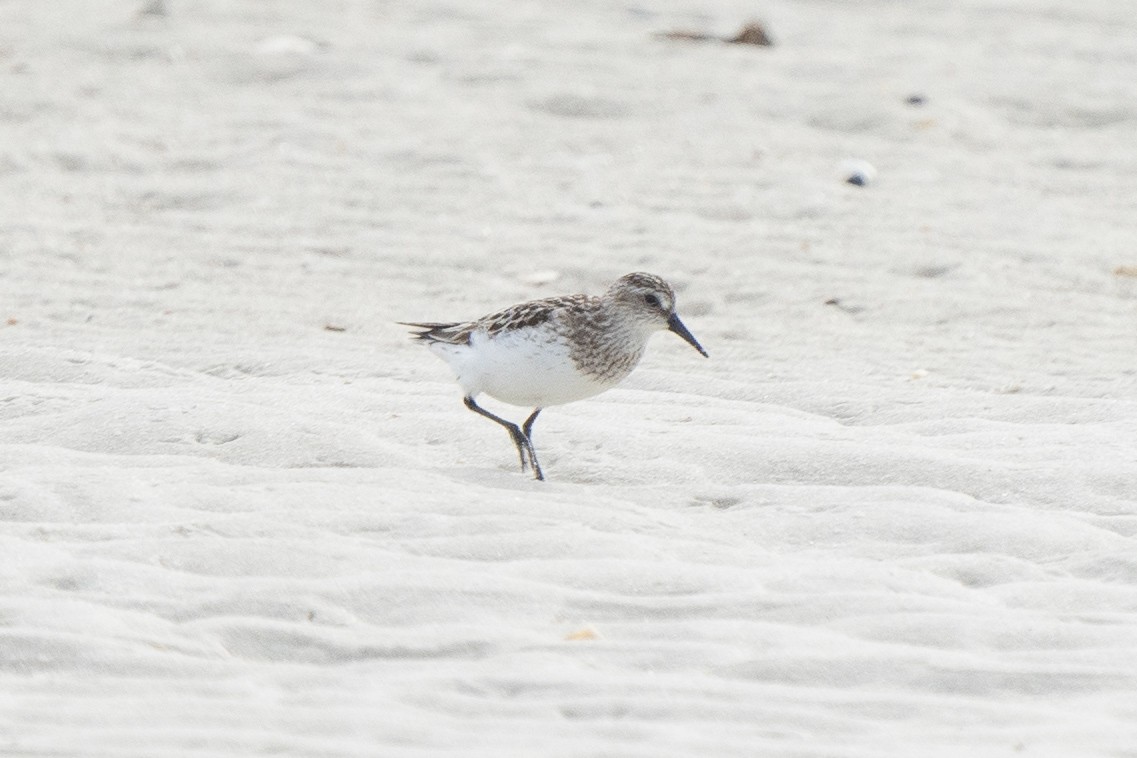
(530, 367)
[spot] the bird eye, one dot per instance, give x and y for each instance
(651, 300)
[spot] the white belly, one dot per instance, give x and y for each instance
(529, 368)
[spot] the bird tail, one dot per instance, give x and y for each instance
(431, 331)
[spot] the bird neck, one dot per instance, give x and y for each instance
(610, 346)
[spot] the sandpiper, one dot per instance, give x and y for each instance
(554, 350)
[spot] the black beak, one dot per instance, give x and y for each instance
(675, 325)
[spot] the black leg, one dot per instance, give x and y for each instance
(527, 427)
(520, 439)
(515, 433)
(527, 430)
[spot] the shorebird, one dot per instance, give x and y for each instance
(554, 350)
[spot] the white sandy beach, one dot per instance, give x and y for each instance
(242, 514)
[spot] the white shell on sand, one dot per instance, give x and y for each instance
(902, 524)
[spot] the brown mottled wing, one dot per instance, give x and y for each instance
(533, 313)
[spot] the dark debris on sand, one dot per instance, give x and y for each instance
(752, 33)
